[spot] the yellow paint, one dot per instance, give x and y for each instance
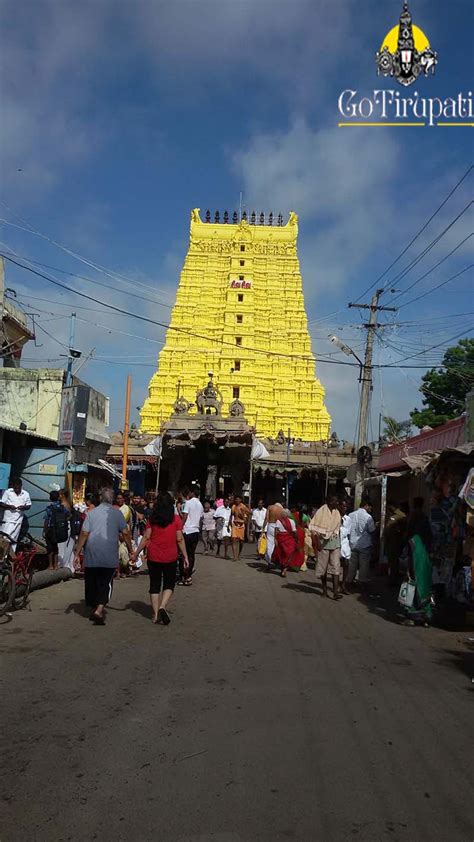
(383, 123)
(391, 39)
(279, 391)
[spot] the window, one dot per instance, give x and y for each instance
(242, 248)
(241, 277)
(240, 318)
(236, 392)
(236, 365)
(240, 296)
(238, 340)
(242, 262)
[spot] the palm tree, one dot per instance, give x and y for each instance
(395, 431)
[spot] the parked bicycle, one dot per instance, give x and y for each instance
(7, 579)
(16, 572)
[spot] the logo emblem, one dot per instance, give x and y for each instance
(405, 52)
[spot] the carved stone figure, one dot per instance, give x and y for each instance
(134, 433)
(181, 406)
(236, 409)
(209, 398)
(280, 439)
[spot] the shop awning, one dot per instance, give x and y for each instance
(85, 467)
(31, 433)
(447, 436)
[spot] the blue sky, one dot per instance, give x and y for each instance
(119, 117)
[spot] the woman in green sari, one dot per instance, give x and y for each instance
(421, 571)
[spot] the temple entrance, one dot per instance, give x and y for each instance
(215, 469)
(205, 449)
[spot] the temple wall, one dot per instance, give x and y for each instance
(242, 282)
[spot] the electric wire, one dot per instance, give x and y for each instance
(406, 269)
(451, 193)
(434, 289)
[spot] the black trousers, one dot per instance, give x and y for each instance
(191, 542)
(162, 572)
(98, 585)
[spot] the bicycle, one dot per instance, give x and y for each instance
(16, 572)
(7, 578)
(23, 569)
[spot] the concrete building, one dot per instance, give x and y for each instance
(14, 329)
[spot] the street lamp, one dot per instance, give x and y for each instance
(347, 350)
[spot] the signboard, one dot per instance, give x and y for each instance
(47, 468)
(73, 418)
(66, 418)
(241, 284)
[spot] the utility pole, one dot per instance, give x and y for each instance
(126, 427)
(71, 357)
(366, 380)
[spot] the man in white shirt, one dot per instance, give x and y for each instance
(258, 519)
(222, 517)
(346, 529)
(14, 503)
(360, 540)
(191, 513)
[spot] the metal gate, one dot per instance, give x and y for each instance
(40, 469)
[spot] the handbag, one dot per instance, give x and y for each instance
(262, 545)
(407, 594)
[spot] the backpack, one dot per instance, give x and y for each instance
(76, 522)
(58, 528)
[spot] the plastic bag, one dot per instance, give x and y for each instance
(407, 594)
(262, 545)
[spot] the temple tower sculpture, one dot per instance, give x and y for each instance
(240, 314)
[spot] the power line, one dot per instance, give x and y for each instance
(243, 348)
(93, 281)
(439, 345)
(422, 277)
(191, 333)
(377, 280)
(96, 266)
(442, 284)
(428, 248)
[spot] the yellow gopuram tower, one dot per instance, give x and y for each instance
(240, 314)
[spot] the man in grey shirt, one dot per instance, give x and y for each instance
(100, 535)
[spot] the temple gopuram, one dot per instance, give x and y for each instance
(237, 360)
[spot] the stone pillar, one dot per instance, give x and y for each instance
(176, 457)
(211, 482)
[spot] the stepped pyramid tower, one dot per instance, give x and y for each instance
(240, 315)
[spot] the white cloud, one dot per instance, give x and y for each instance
(338, 182)
(215, 44)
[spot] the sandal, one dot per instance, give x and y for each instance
(164, 616)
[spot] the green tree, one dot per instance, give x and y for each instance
(444, 389)
(394, 430)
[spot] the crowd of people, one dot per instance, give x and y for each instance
(113, 535)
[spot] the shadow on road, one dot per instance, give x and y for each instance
(304, 588)
(460, 659)
(381, 600)
(261, 566)
(79, 608)
(139, 607)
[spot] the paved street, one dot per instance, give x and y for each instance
(263, 712)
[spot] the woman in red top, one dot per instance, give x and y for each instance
(162, 538)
